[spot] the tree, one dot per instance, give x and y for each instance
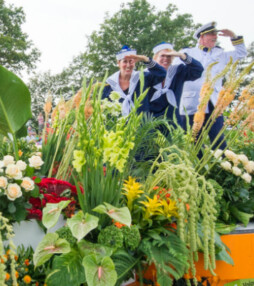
(16, 50)
(136, 24)
(246, 61)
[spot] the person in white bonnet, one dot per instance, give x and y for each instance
(126, 81)
(207, 52)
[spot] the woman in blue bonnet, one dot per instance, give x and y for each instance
(126, 81)
(167, 94)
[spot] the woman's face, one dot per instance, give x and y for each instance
(163, 59)
(126, 66)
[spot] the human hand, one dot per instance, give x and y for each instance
(137, 58)
(227, 33)
(177, 54)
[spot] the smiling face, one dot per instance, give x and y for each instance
(126, 67)
(163, 59)
(208, 40)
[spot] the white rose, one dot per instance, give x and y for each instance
(247, 178)
(3, 182)
(38, 154)
(236, 171)
(226, 165)
(27, 184)
(13, 192)
(217, 154)
(13, 171)
(8, 160)
(243, 158)
(21, 165)
(1, 164)
(249, 167)
(35, 162)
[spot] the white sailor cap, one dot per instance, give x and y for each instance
(162, 46)
(207, 28)
(125, 51)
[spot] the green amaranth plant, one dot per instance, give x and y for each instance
(173, 170)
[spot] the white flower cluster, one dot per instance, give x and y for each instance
(236, 161)
(11, 175)
(112, 106)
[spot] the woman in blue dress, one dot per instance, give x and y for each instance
(167, 94)
(127, 83)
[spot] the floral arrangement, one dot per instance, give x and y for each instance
(53, 191)
(16, 185)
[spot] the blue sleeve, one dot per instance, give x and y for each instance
(106, 91)
(193, 69)
(156, 73)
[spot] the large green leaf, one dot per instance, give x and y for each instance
(87, 248)
(81, 224)
(50, 245)
(67, 270)
(15, 102)
(99, 273)
(121, 215)
(52, 212)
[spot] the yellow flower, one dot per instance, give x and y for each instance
(20, 153)
(132, 191)
(27, 279)
(169, 208)
(152, 206)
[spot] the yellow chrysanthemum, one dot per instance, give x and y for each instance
(132, 191)
(152, 207)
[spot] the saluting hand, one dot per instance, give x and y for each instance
(227, 33)
(137, 58)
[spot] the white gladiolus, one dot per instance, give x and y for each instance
(217, 154)
(13, 171)
(243, 158)
(8, 160)
(1, 164)
(249, 167)
(21, 165)
(246, 177)
(13, 192)
(226, 165)
(3, 182)
(27, 184)
(236, 171)
(35, 162)
(229, 154)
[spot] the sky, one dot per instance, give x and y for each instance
(59, 28)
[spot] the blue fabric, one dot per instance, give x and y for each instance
(153, 76)
(188, 72)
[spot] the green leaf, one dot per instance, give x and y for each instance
(80, 224)
(22, 132)
(87, 248)
(67, 270)
(52, 212)
(35, 192)
(241, 216)
(99, 273)
(11, 208)
(121, 215)
(15, 102)
(50, 245)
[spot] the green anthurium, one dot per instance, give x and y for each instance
(15, 103)
(67, 269)
(50, 245)
(99, 273)
(52, 212)
(81, 224)
(121, 215)
(87, 248)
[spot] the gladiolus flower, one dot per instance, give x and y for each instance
(246, 177)
(226, 165)
(7, 276)
(236, 171)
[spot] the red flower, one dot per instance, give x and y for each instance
(34, 213)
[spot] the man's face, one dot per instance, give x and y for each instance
(208, 40)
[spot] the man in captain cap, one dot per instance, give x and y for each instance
(207, 52)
